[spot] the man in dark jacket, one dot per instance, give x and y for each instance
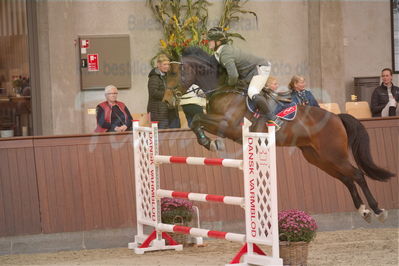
(156, 90)
(384, 101)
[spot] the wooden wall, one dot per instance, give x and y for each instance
(86, 182)
(19, 197)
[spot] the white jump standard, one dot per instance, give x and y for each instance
(259, 201)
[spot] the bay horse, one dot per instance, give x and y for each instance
(323, 137)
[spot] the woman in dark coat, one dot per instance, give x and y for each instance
(156, 90)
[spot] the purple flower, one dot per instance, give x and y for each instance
(295, 225)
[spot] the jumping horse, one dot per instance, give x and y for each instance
(324, 138)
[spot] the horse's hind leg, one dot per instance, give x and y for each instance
(361, 181)
(348, 170)
(344, 172)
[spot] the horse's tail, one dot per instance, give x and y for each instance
(358, 140)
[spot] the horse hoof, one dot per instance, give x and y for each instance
(367, 216)
(382, 216)
(206, 143)
(365, 213)
(217, 145)
(220, 145)
(213, 146)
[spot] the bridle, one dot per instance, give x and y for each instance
(177, 93)
(174, 89)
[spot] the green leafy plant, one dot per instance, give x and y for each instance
(232, 10)
(20, 82)
(183, 24)
(295, 226)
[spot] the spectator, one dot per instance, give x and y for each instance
(157, 108)
(192, 104)
(112, 115)
(272, 83)
(299, 94)
(384, 100)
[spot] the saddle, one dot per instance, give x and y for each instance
(284, 97)
(281, 104)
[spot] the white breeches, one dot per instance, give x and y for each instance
(258, 82)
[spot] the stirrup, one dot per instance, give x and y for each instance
(274, 123)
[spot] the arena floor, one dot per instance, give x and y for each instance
(365, 247)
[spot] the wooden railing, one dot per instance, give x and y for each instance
(75, 183)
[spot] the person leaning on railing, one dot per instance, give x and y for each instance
(112, 115)
(299, 94)
(385, 98)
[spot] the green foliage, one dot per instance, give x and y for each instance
(183, 23)
(232, 10)
(178, 215)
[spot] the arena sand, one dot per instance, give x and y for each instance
(365, 247)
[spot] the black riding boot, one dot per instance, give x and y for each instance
(265, 109)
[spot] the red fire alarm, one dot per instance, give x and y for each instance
(92, 62)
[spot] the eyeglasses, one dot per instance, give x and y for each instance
(112, 93)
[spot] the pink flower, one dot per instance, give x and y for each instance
(295, 225)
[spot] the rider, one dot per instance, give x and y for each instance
(239, 65)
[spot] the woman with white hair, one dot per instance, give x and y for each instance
(113, 115)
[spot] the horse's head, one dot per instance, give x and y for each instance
(174, 87)
(175, 81)
(196, 67)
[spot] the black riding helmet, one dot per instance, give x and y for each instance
(217, 34)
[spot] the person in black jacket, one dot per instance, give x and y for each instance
(384, 100)
(156, 89)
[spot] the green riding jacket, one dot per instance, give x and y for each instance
(239, 65)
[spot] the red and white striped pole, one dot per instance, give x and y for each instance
(199, 161)
(201, 197)
(200, 232)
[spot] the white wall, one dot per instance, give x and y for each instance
(366, 40)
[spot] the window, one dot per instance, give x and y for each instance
(15, 90)
(395, 34)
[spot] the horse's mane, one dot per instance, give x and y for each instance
(206, 67)
(202, 57)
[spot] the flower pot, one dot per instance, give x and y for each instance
(294, 253)
(179, 237)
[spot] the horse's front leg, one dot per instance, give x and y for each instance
(214, 124)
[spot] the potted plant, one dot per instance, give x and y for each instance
(179, 212)
(296, 230)
(175, 210)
